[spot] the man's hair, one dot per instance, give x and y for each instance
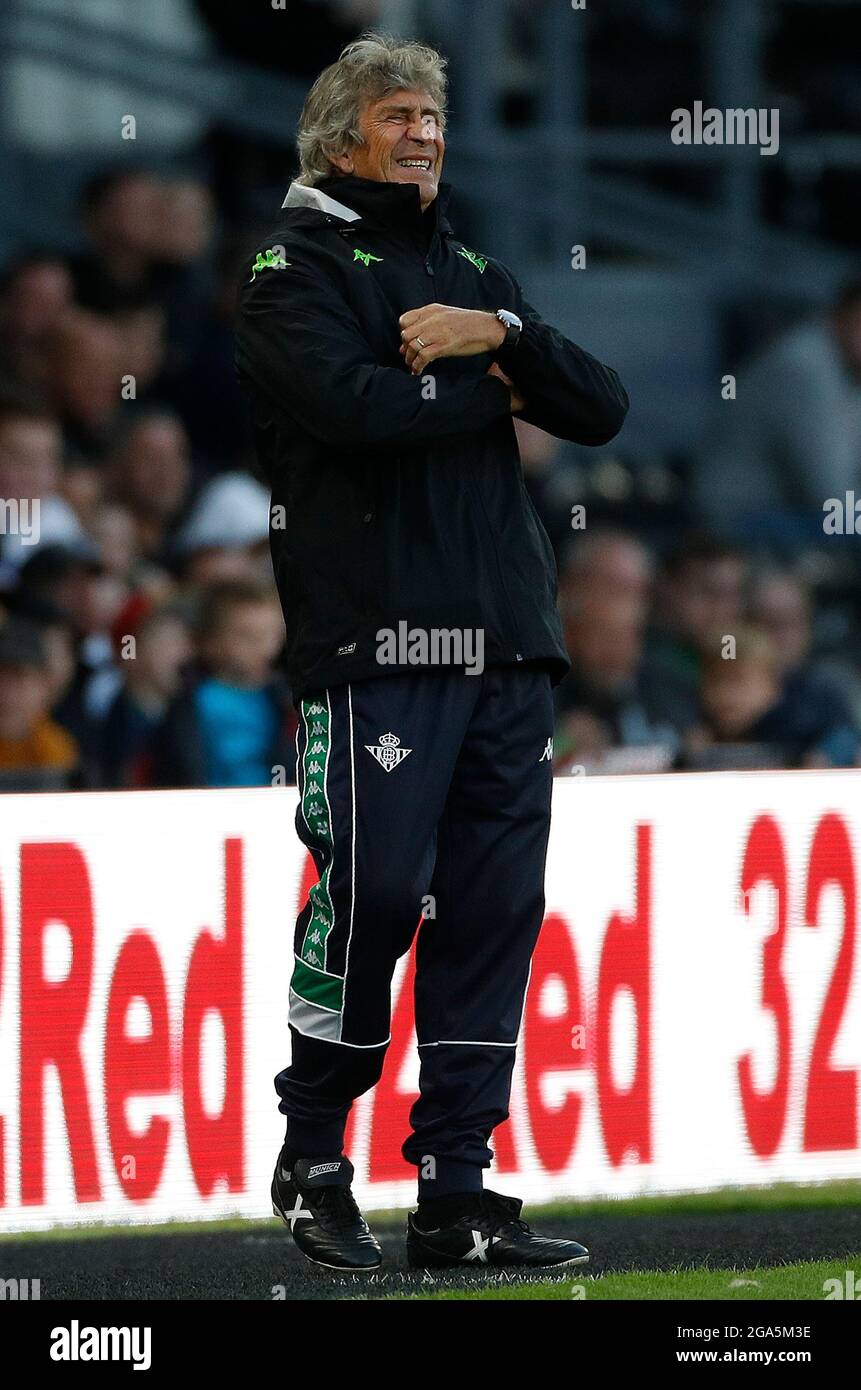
(102, 185)
(698, 548)
(367, 70)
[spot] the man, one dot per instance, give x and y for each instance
(792, 440)
(117, 271)
(36, 754)
(383, 385)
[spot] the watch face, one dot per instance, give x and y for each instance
(510, 320)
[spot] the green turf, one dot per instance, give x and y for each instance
(782, 1242)
(803, 1282)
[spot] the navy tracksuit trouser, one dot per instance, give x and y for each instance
(422, 796)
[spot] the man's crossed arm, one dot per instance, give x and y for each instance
(555, 384)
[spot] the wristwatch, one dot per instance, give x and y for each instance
(513, 328)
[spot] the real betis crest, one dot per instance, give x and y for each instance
(388, 752)
(480, 262)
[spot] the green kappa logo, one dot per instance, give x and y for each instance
(364, 256)
(269, 260)
(480, 262)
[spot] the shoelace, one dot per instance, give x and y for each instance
(338, 1206)
(501, 1216)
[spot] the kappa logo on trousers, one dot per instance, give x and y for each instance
(387, 752)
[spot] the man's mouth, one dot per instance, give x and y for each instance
(424, 164)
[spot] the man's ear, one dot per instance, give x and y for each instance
(341, 163)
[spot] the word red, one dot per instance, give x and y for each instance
(55, 887)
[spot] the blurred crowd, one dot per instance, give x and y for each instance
(140, 633)
(141, 641)
(698, 659)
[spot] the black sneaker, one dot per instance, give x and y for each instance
(312, 1196)
(489, 1233)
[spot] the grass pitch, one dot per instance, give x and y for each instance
(804, 1282)
(781, 1243)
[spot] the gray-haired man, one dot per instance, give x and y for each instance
(385, 360)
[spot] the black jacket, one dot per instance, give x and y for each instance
(403, 497)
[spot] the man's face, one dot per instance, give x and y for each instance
(163, 649)
(404, 143)
(154, 467)
(23, 700)
(30, 457)
(605, 640)
(735, 694)
(705, 598)
(128, 214)
(245, 643)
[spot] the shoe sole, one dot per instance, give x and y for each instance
(415, 1262)
(321, 1264)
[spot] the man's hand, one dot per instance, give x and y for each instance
(517, 401)
(447, 332)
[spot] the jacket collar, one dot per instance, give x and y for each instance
(351, 199)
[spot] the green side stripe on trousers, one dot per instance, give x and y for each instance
(318, 988)
(316, 812)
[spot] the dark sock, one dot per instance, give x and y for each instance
(450, 1175)
(444, 1211)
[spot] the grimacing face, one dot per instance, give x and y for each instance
(404, 143)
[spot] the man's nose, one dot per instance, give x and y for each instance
(420, 133)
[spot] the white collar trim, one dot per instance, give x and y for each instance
(301, 195)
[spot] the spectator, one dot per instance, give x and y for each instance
(607, 701)
(143, 333)
(35, 752)
(86, 362)
(32, 511)
(184, 228)
(792, 439)
(698, 600)
(117, 271)
(150, 473)
(233, 726)
(75, 580)
(739, 691)
(153, 669)
(36, 292)
(609, 564)
(58, 637)
(813, 720)
(227, 534)
(183, 224)
(114, 531)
